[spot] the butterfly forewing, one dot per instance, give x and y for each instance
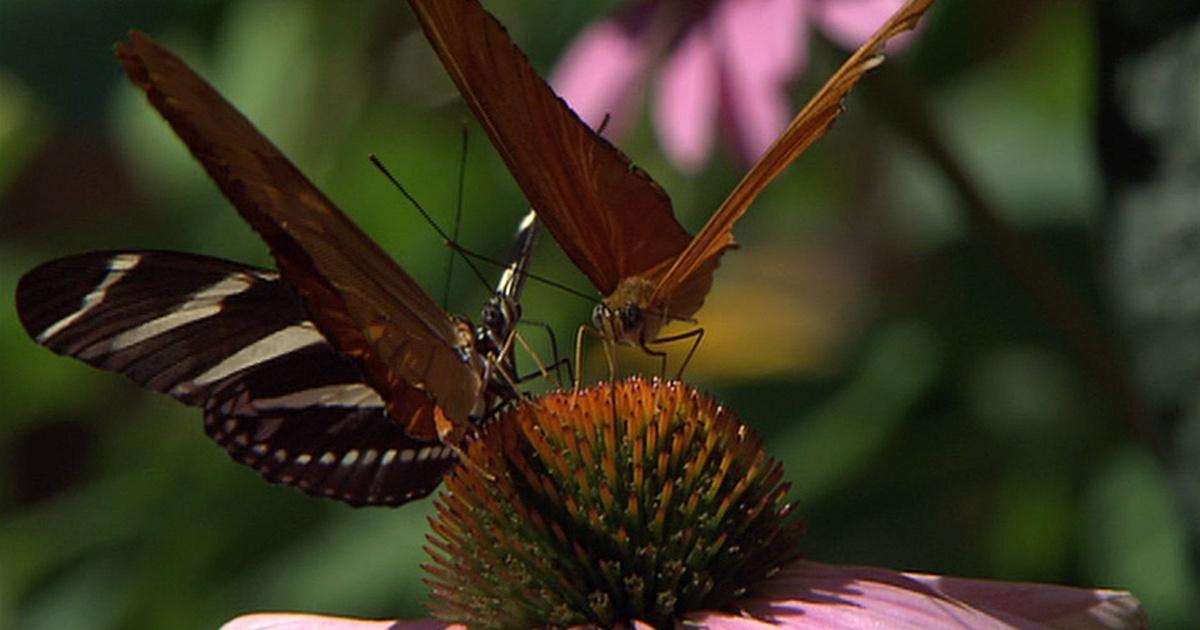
(236, 341)
(677, 288)
(610, 218)
(369, 308)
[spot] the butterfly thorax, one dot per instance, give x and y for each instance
(498, 317)
(626, 316)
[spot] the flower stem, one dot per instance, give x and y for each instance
(908, 112)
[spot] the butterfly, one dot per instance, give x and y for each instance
(337, 374)
(610, 217)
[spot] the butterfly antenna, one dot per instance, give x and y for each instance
(453, 244)
(466, 253)
(458, 208)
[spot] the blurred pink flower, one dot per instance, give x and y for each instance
(729, 62)
(301, 621)
(813, 595)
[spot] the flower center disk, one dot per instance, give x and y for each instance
(632, 500)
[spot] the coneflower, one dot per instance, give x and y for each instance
(648, 503)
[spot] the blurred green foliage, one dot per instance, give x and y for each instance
(931, 421)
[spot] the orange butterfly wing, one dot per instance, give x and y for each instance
(680, 290)
(610, 218)
(358, 297)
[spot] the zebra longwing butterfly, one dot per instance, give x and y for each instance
(337, 374)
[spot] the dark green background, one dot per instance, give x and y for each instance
(928, 415)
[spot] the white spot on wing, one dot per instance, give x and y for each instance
(120, 265)
(202, 304)
(348, 395)
(273, 345)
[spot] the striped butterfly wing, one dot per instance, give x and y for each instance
(236, 341)
(410, 350)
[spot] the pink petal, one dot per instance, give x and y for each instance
(761, 43)
(685, 104)
(1056, 606)
(768, 36)
(850, 22)
(813, 595)
(300, 621)
(599, 73)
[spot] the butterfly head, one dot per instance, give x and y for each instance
(625, 316)
(498, 317)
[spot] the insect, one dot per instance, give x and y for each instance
(336, 374)
(613, 221)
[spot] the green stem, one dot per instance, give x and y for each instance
(908, 112)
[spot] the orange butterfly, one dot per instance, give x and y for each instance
(609, 216)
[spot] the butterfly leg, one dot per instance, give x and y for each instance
(696, 335)
(466, 460)
(452, 434)
(549, 372)
(608, 354)
(552, 368)
(558, 361)
(537, 359)
(496, 367)
(658, 354)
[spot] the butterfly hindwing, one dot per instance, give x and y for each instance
(308, 420)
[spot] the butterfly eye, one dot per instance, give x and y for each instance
(631, 317)
(600, 315)
(493, 316)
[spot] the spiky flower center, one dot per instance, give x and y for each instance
(632, 500)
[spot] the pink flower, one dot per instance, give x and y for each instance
(301, 621)
(730, 63)
(813, 595)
